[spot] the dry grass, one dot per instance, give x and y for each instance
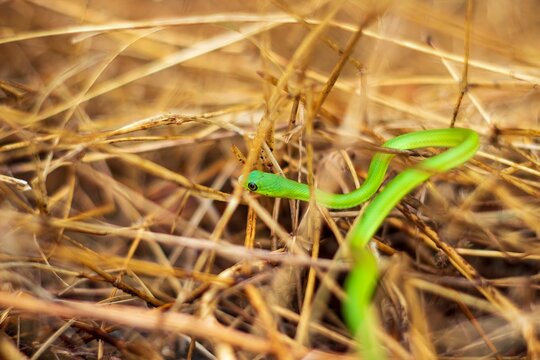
(124, 125)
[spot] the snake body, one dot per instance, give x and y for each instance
(461, 145)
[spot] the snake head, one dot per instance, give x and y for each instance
(253, 180)
(260, 182)
(274, 185)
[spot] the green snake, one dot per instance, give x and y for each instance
(461, 145)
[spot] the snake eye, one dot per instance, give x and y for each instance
(252, 186)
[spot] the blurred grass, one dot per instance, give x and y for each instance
(123, 129)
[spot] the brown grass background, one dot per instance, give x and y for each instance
(124, 126)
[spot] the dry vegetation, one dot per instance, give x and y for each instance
(125, 124)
